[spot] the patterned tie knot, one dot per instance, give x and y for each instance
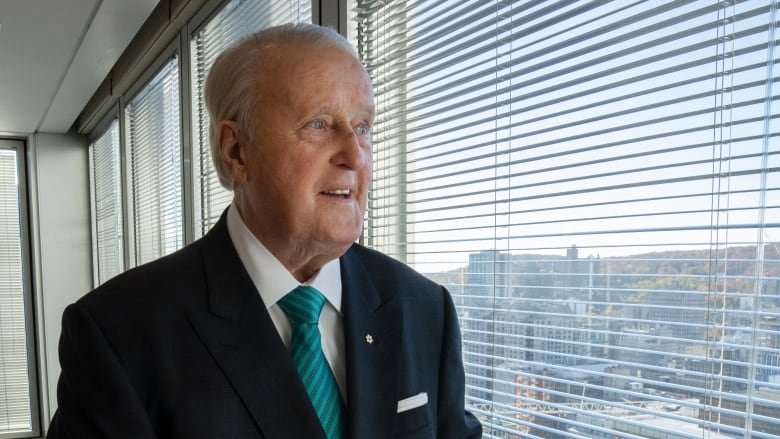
(303, 305)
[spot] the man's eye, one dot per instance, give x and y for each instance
(317, 124)
(363, 130)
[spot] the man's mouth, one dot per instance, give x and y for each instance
(344, 193)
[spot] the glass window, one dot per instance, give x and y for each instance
(153, 130)
(236, 19)
(18, 414)
(598, 186)
(107, 200)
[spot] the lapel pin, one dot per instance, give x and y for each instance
(369, 339)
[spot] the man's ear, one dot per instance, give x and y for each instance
(230, 149)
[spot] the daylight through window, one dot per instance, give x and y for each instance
(598, 186)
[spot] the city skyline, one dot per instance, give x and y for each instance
(561, 333)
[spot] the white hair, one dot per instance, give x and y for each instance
(232, 89)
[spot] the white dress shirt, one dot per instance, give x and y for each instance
(273, 281)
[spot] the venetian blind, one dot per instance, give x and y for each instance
(238, 18)
(598, 185)
(107, 199)
(153, 126)
(15, 409)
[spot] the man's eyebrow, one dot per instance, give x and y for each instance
(330, 109)
(370, 109)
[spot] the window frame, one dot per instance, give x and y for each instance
(100, 129)
(29, 294)
(174, 49)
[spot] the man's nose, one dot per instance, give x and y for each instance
(354, 151)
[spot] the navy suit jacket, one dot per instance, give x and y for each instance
(184, 348)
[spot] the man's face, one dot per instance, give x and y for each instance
(309, 169)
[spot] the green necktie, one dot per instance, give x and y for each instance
(303, 306)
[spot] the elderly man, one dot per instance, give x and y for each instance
(275, 324)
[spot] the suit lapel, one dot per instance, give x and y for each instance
(372, 335)
(241, 337)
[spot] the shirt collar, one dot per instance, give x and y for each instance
(270, 277)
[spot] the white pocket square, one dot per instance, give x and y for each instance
(412, 402)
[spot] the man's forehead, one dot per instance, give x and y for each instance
(315, 63)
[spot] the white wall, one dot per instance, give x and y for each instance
(60, 222)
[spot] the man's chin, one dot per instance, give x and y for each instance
(345, 240)
(342, 233)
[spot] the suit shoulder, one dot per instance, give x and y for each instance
(389, 268)
(148, 280)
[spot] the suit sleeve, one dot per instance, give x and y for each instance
(453, 420)
(95, 396)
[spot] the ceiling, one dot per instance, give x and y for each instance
(55, 53)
